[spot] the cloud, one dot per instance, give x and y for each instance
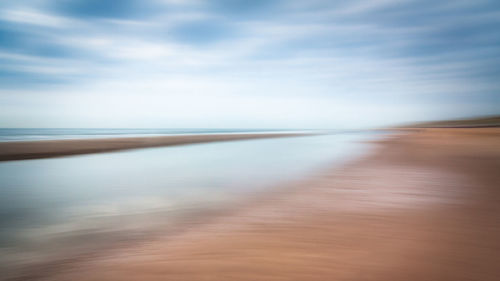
(202, 32)
(33, 17)
(18, 40)
(104, 8)
(244, 9)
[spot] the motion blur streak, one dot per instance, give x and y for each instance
(259, 140)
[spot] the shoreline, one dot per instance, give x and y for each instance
(22, 150)
(422, 206)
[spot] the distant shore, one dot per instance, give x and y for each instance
(484, 122)
(19, 150)
(422, 206)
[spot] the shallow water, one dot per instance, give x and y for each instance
(53, 201)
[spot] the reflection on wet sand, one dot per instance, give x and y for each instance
(423, 206)
(58, 210)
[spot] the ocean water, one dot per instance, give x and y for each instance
(28, 134)
(69, 204)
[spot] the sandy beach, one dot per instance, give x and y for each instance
(19, 150)
(424, 205)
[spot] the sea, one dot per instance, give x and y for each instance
(35, 134)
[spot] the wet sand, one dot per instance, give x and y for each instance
(424, 205)
(19, 150)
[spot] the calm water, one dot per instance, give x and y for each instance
(48, 204)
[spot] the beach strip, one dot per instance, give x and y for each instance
(20, 150)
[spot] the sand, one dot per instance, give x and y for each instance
(425, 205)
(20, 150)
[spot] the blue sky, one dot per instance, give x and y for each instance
(234, 63)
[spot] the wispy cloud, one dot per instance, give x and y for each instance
(358, 56)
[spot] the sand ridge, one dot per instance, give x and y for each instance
(19, 150)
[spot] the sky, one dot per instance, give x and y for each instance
(246, 63)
